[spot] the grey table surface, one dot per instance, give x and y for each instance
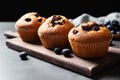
(13, 68)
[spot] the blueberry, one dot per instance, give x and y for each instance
(113, 31)
(113, 26)
(58, 51)
(23, 56)
(114, 22)
(118, 32)
(55, 20)
(110, 27)
(96, 28)
(111, 43)
(66, 52)
(75, 31)
(86, 28)
(107, 23)
(28, 19)
(40, 20)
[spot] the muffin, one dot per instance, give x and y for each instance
(27, 26)
(54, 32)
(90, 40)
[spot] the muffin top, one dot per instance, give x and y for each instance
(89, 31)
(31, 20)
(55, 24)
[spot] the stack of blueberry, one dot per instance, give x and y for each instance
(113, 26)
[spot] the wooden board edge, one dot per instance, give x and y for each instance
(86, 71)
(57, 62)
(11, 34)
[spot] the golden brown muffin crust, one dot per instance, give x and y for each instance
(31, 20)
(27, 26)
(60, 26)
(89, 31)
(54, 32)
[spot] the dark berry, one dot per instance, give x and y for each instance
(118, 32)
(28, 19)
(66, 52)
(75, 31)
(86, 28)
(37, 15)
(40, 20)
(113, 26)
(110, 27)
(56, 17)
(111, 43)
(58, 51)
(107, 23)
(23, 56)
(113, 31)
(114, 22)
(96, 28)
(55, 20)
(60, 23)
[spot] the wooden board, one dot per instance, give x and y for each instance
(79, 65)
(13, 34)
(116, 37)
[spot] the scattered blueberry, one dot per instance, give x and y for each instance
(66, 52)
(58, 51)
(63, 51)
(23, 56)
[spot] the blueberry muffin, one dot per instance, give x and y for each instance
(54, 32)
(27, 26)
(90, 40)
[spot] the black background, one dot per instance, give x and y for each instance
(12, 10)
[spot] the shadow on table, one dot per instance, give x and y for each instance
(109, 74)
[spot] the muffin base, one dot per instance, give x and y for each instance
(90, 50)
(28, 36)
(53, 41)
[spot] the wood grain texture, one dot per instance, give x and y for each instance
(79, 65)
